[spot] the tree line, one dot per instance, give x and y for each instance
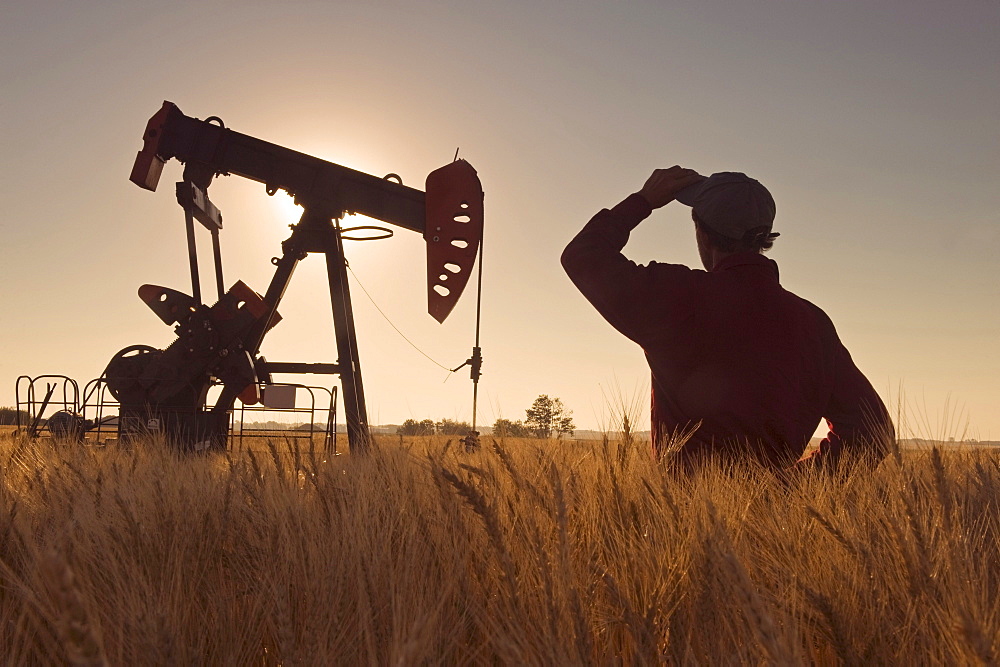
(547, 417)
(8, 416)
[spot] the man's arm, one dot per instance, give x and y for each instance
(593, 260)
(859, 424)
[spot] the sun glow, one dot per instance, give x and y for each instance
(282, 207)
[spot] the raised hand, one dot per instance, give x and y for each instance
(661, 187)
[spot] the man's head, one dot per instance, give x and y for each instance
(732, 212)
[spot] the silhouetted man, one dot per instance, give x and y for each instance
(743, 366)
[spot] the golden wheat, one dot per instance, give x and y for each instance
(528, 552)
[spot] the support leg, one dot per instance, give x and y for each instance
(358, 433)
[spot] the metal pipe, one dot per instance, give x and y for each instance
(192, 254)
(217, 251)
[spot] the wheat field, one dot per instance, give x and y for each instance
(527, 552)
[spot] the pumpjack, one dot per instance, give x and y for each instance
(165, 391)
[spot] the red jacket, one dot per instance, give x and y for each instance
(733, 353)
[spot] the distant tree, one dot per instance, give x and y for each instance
(548, 416)
(311, 427)
(505, 428)
(450, 427)
(413, 427)
(8, 416)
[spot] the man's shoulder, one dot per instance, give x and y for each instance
(811, 309)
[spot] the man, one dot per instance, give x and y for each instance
(742, 369)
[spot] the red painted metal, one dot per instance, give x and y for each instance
(148, 164)
(453, 232)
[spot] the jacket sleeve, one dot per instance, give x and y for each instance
(859, 424)
(617, 287)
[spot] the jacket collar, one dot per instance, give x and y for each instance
(748, 259)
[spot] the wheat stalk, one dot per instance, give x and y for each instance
(78, 630)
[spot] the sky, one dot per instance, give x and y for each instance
(874, 125)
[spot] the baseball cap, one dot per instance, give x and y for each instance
(730, 203)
